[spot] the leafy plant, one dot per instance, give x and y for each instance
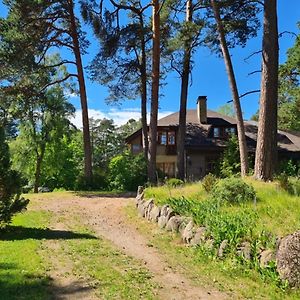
(127, 172)
(209, 181)
(174, 182)
(233, 190)
(10, 186)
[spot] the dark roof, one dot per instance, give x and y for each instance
(198, 135)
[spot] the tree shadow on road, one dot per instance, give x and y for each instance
(27, 286)
(88, 194)
(11, 233)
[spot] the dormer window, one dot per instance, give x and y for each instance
(223, 132)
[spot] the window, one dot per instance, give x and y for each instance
(229, 131)
(217, 132)
(136, 148)
(166, 138)
(171, 138)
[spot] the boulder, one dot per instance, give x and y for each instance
(139, 198)
(148, 207)
(222, 248)
(265, 257)
(183, 224)
(174, 223)
(188, 232)
(164, 210)
(244, 250)
(143, 207)
(288, 259)
(154, 213)
(140, 190)
(162, 221)
(199, 237)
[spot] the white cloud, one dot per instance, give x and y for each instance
(120, 116)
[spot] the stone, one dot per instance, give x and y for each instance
(199, 237)
(188, 232)
(288, 259)
(139, 198)
(174, 223)
(244, 250)
(162, 221)
(164, 210)
(183, 224)
(140, 190)
(209, 244)
(148, 207)
(154, 213)
(265, 257)
(222, 248)
(141, 209)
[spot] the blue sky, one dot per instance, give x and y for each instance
(209, 76)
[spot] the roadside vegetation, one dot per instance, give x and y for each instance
(265, 212)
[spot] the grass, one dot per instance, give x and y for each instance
(278, 214)
(27, 258)
(22, 270)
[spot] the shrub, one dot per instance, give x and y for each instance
(127, 172)
(10, 186)
(295, 186)
(98, 182)
(233, 190)
(174, 182)
(230, 163)
(288, 167)
(289, 184)
(209, 181)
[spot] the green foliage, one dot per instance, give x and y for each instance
(289, 167)
(208, 182)
(227, 110)
(127, 172)
(98, 182)
(221, 223)
(233, 190)
(289, 184)
(10, 186)
(174, 182)
(289, 89)
(230, 162)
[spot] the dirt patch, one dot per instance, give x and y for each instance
(107, 219)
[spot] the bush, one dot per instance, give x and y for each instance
(233, 190)
(10, 186)
(208, 182)
(289, 184)
(174, 182)
(289, 167)
(98, 182)
(127, 172)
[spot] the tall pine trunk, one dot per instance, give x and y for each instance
(143, 69)
(183, 98)
(234, 91)
(83, 97)
(154, 92)
(38, 168)
(266, 149)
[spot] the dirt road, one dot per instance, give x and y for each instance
(107, 218)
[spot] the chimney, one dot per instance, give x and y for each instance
(202, 109)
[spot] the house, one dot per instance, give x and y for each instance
(207, 133)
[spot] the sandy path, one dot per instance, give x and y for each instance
(107, 218)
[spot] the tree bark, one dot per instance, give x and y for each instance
(38, 167)
(183, 98)
(83, 96)
(266, 149)
(154, 92)
(234, 90)
(143, 69)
